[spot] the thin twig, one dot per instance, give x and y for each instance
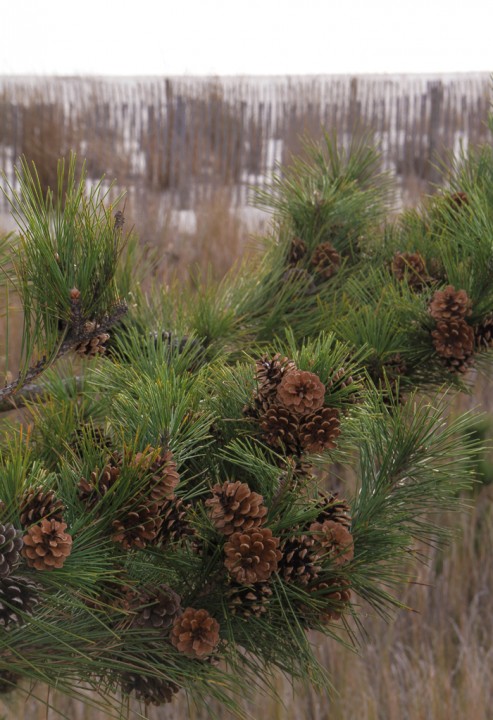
(30, 393)
(68, 344)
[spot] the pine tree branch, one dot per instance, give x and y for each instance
(30, 393)
(74, 339)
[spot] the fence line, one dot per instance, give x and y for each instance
(188, 135)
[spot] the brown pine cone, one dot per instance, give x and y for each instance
(450, 304)
(10, 548)
(8, 681)
(331, 507)
(47, 545)
(410, 267)
(280, 428)
(91, 491)
(249, 600)
(269, 373)
(175, 525)
(138, 526)
(458, 199)
(325, 260)
(88, 434)
(234, 507)
(195, 633)
(454, 342)
(154, 608)
(301, 392)
(18, 597)
(386, 376)
(334, 540)
(93, 345)
(339, 377)
(150, 690)
(483, 334)
(252, 556)
(162, 469)
(38, 503)
(301, 278)
(297, 251)
(299, 562)
(336, 594)
(319, 431)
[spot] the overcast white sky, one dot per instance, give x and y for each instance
(229, 37)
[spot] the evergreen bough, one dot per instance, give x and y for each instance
(174, 512)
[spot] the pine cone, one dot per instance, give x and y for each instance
(454, 342)
(38, 503)
(156, 608)
(249, 600)
(336, 594)
(162, 468)
(410, 267)
(280, 429)
(10, 548)
(297, 251)
(149, 689)
(458, 200)
(234, 507)
(301, 277)
(92, 491)
(138, 527)
(331, 507)
(338, 377)
(334, 540)
(18, 597)
(195, 633)
(450, 304)
(483, 334)
(319, 431)
(8, 681)
(269, 373)
(94, 345)
(90, 435)
(299, 563)
(47, 545)
(252, 556)
(175, 525)
(301, 392)
(325, 260)
(386, 376)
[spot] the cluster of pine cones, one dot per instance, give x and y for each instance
(454, 339)
(289, 406)
(321, 265)
(411, 268)
(43, 545)
(155, 515)
(252, 554)
(311, 556)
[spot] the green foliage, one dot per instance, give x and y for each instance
(261, 448)
(65, 261)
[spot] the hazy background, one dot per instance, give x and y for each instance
(232, 37)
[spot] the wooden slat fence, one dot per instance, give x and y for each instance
(187, 136)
